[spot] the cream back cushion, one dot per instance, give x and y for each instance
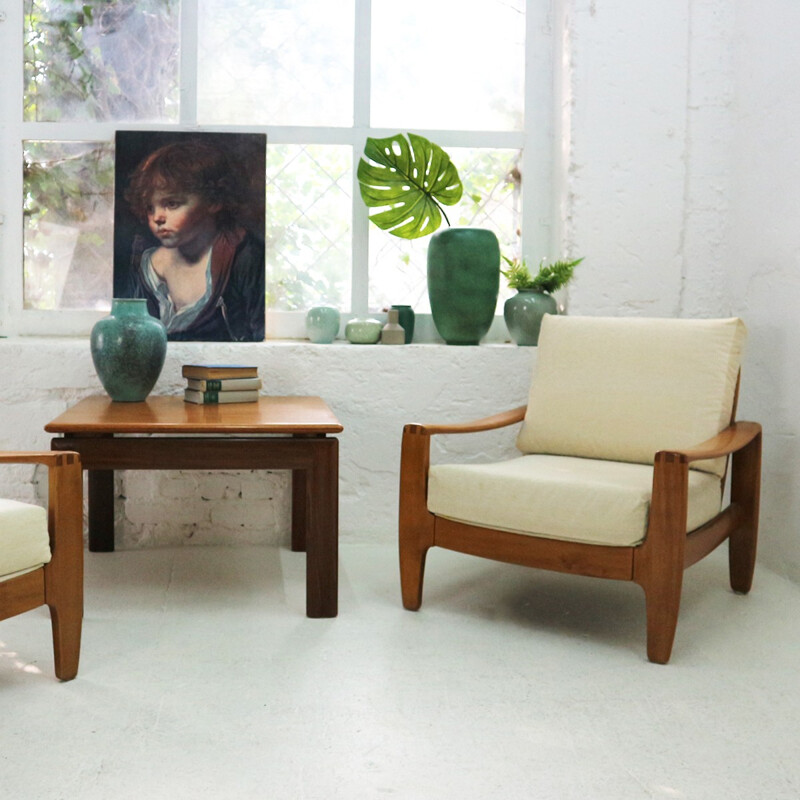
(622, 389)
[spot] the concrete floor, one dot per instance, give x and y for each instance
(202, 678)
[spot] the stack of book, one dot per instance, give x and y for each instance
(220, 383)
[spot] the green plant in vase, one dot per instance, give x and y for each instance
(406, 181)
(523, 313)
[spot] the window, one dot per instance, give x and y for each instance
(317, 77)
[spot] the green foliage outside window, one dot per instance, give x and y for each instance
(116, 61)
(94, 60)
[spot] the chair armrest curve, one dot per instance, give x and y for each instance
(500, 420)
(735, 437)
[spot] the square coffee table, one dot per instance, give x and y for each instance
(293, 433)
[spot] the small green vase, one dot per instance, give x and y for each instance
(322, 324)
(363, 331)
(128, 350)
(463, 282)
(523, 314)
(407, 318)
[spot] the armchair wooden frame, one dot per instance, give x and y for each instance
(58, 584)
(657, 564)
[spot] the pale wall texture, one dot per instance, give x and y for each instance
(373, 389)
(683, 192)
(680, 189)
(764, 254)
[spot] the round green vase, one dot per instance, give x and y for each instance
(128, 350)
(523, 314)
(322, 324)
(463, 282)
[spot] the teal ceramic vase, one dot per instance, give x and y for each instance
(322, 324)
(463, 282)
(406, 317)
(128, 350)
(523, 314)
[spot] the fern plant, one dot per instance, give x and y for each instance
(550, 277)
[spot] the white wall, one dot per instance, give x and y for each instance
(373, 389)
(683, 193)
(765, 252)
(681, 190)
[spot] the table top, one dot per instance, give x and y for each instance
(286, 415)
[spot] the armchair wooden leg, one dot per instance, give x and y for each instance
(412, 573)
(742, 559)
(662, 600)
(416, 523)
(66, 641)
(745, 492)
(63, 576)
(659, 563)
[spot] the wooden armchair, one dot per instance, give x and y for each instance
(624, 448)
(41, 554)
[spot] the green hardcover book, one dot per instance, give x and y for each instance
(223, 384)
(213, 398)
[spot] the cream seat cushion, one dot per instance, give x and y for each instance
(24, 541)
(622, 389)
(562, 497)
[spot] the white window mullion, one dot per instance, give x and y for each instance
(362, 67)
(540, 159)
(11, 173)
(540, 141)
(188, 61)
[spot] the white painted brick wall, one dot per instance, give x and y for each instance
(683, 192)
(374, 391)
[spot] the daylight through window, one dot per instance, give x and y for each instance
(317, 78)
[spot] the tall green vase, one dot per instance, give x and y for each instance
(463, 282)
(128, 350)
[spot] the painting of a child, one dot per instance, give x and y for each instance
(198, 256)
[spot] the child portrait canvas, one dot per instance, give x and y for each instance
(189, 231)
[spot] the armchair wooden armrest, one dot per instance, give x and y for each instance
(415, 454)
(742, 441)
(668, 550)
(734, 438)
(59, 583)
(65, 496)
(45, 457)
(416, 523)
(489, 423)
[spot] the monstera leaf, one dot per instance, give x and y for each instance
(407, 180)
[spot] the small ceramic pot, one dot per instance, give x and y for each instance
(363, 331)
(322, 324)
(393, 332)
(523, 315)
(406, 319)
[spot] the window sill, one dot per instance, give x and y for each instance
(294, 333)
(290, 325)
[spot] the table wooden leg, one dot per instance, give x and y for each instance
(322, 539)
(299, 510)
(101, 510)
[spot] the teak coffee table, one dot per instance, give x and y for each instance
(291, 433)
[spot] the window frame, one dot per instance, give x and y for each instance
(545, 117)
